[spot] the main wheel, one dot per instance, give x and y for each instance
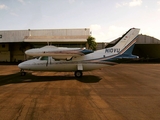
(78, 73)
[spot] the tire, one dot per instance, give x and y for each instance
(78, 74)
(23, 73)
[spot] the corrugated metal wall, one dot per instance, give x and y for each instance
(19, 35)
(13, 36)
(144, 39)
(60, 32)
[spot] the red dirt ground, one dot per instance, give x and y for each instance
(124, 91)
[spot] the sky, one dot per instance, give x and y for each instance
(107, 19)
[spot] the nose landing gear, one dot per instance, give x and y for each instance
(22, 72)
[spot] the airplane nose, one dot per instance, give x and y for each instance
(23, 65)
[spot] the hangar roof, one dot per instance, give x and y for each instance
(82, 38)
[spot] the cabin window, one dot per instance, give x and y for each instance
(44, 58)
(0, 36)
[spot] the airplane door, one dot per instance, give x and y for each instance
(44, 62)
(48, 62)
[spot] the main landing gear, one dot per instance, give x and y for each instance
(78, 73)
(22, 72)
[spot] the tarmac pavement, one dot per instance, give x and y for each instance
(120, 92)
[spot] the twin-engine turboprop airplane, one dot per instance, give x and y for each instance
(78, 60)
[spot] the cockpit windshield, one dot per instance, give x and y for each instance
(44, 58)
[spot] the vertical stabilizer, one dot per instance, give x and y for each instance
(127, 38)
(124, 46)
(124, 43)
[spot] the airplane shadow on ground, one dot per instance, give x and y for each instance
(17, 78)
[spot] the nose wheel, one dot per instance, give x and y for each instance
(22, 72)
(78, 74)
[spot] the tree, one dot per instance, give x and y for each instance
(91, 43)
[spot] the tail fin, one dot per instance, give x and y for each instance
(124, 43)
(124, 47)
(127, 38)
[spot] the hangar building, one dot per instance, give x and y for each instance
(13, 43)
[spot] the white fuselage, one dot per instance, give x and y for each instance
(60, 66)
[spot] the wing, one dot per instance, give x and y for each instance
(58, 52)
